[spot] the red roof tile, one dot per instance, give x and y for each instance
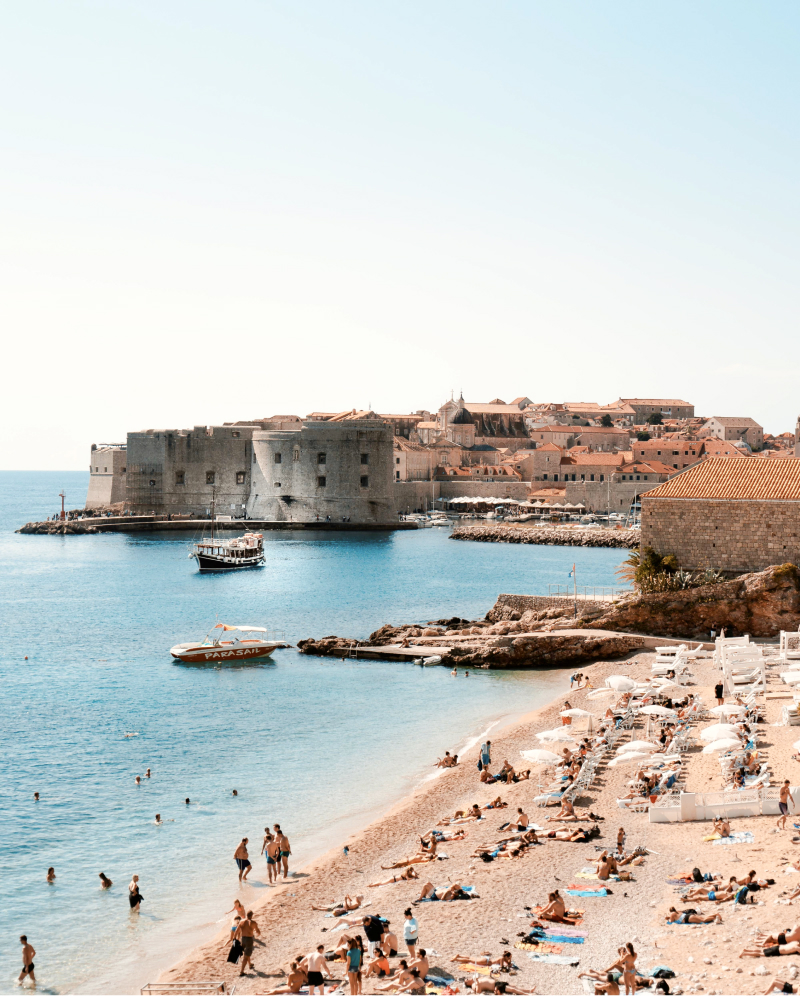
(734, 479)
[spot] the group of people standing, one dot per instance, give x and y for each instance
(276, 850)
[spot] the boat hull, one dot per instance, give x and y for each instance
(206, 563)
(203, 655)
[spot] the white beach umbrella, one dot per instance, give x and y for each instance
(720, 731)
(554, 735)
(644, 745)
(658, 711)
(796, 745)
(717, 746)
(600, 693)
(576, 712)
(540, 756)
(729, 710)
(621, 682)
(628, 758)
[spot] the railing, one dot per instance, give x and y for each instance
(585, 592)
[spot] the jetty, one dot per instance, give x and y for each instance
(152, 523)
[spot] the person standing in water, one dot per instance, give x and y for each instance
(242, 860)
(51, 874)
(285, 849)
(272, 852)
(134, 896)
(28, 954)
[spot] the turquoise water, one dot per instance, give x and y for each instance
(315, 745)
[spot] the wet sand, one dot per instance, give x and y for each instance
(634, 912)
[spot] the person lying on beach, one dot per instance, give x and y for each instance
(604, 982)
(415, 860)
(461, 816)
(347, 905)
(771, 950)
(405, 876)
(691, 916)
(484, 985)
(576, 836)
(487, 777)
(714, 892)
(780, 986)
(496, 804)
(785, 937)
(294, 982)
(503, 962)
(454, 891)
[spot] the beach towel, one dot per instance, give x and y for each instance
(575, 915)
(560, 938)
(742, 837)
(543, 947)
(586, 874)
(588, 893)
(562, 929)
(467, 966)
(555, 959)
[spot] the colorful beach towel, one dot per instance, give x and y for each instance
(555, 959)
(742, 837)
(587, 893)
(543, 947)
(560, 938)
(467, 966)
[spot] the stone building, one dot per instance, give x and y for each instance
(734, 515)
(337, 469)
(642, 407)
(745, 430)
(107, 474)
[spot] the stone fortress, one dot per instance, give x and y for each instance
(364, 467)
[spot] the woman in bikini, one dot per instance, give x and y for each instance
(691, 916)
(503, 962)
(405, 876)
(555, 910)
(626, 963)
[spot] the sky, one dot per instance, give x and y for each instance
(219, 211)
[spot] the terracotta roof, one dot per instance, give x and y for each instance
(670, 402)
(548, 493)
(495, 408)
(600, 428)
(427, 425)
(594, 459)
(733, 479)
(735, 423)
(548, 448)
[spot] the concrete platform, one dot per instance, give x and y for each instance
(141, 523)
(390, 653)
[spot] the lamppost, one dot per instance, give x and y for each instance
(62, 496)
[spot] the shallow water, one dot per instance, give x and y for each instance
(316, 745)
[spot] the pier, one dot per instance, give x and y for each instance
(150, 523)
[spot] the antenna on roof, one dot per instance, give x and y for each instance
(451, 393)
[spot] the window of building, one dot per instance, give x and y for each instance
(296, 454)
(602, 477)
(321, 482)
(240, 476)
(544, 477)
(573, 477)
(97, 470)
(397, 459)
(210, 477)
(675, 466)
(645, 476)
(659, 452)
(364, 458)
(124, 469)
(235, 433)
(364, 482)
(278, 458)
(583, 477)
(638, 478)
(555, 477)
(397, 475)
(180, 477)
(676, 452)
(591, 477)
(105, 470)
(320, 458)
(277, 484)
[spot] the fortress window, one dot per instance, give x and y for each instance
(296, 454)
(278, 458)
(397, 475)
(277, 484)
(179, 477)
(105, 469)
(124, 469)
(397, 459)
(235, 433)
(365, 458)
(321, 482)
(152, 483)
(364, 482)
(97, 470)
(210, 477)
(240, 476)
(320, 458)
(602, 477)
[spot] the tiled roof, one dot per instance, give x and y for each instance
(584, 429)
(594, 459)
(670, 402)
(735, 480)
(734, 423)
(495, 408)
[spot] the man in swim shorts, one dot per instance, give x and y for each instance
(242, 860)
(783, 805)
(284, 849)
(317, 964)
(271, 851)
(28, 954)
(245, 933)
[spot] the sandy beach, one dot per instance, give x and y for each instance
(704, 958)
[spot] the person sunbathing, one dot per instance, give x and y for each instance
(416, 859)
(771, 950)
(295, 981)
(379, 966)
(428, 844)
(405, 876)
(576, 836)
(555, 910)
(503, 962)
(785, 937)
(430, 891)
(780, 986)
(691, 916)
(567, 812)
(347, 905)
(604, 982)
(447, 761)
(722, 826)
(483, 985)
(714, 892)
(403, 974)
(487, 777)
(496, 804)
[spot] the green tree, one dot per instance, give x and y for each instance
(654, 418)
(606, 421)
(643, 436)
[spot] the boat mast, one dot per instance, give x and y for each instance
(213, 499)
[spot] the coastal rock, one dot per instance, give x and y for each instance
(548, 536)
(328, 646)
(761, 604)
(57, 528)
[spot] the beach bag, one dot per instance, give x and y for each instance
(480, 765)
(235, 952)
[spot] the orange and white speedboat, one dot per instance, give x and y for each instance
(228, 644)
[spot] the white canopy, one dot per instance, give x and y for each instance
(621, 682)
(720, 731)
(598, 693)
(642, 745)
(658, 711)
(729, 710)
(559, 733)
(628, 758)
(576, 712)
(541, 756)
(721, 745)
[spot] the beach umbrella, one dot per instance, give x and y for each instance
(729, 710)
(553, 735)
(599, 693)
(720, 731)
(796, 745)
(644, 745)
(541, 756)
(718, 746)
(658, 711)
(628, 758)
(621, 682)
(576, 712)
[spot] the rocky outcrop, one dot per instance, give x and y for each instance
(57, 528)
(760, 604)
(548, 536)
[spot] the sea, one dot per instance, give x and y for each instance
(91, 698)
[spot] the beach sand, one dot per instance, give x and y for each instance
(634, 912)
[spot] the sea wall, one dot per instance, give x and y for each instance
(547, 535)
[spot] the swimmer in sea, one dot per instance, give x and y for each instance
(35, 796)
(134, 896)
(147, 773)
(158, 819)
(106, 882)
(51, 874)
(187, 800)
(235, 792)
(138, 779)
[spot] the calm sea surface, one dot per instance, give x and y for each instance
(318, 746)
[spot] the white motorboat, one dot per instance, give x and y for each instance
(228, 644)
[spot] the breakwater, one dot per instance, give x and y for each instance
(548, 536)
(146, 523)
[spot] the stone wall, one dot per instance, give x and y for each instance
(511, 607)
(734, 536)
(602, 496)
(336, 469)
(107, 476)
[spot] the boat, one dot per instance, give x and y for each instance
(429, 661)
(228, 643)
(230, 554)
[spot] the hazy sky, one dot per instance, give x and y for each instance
(219, 211)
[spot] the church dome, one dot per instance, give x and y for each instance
(461, 417)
